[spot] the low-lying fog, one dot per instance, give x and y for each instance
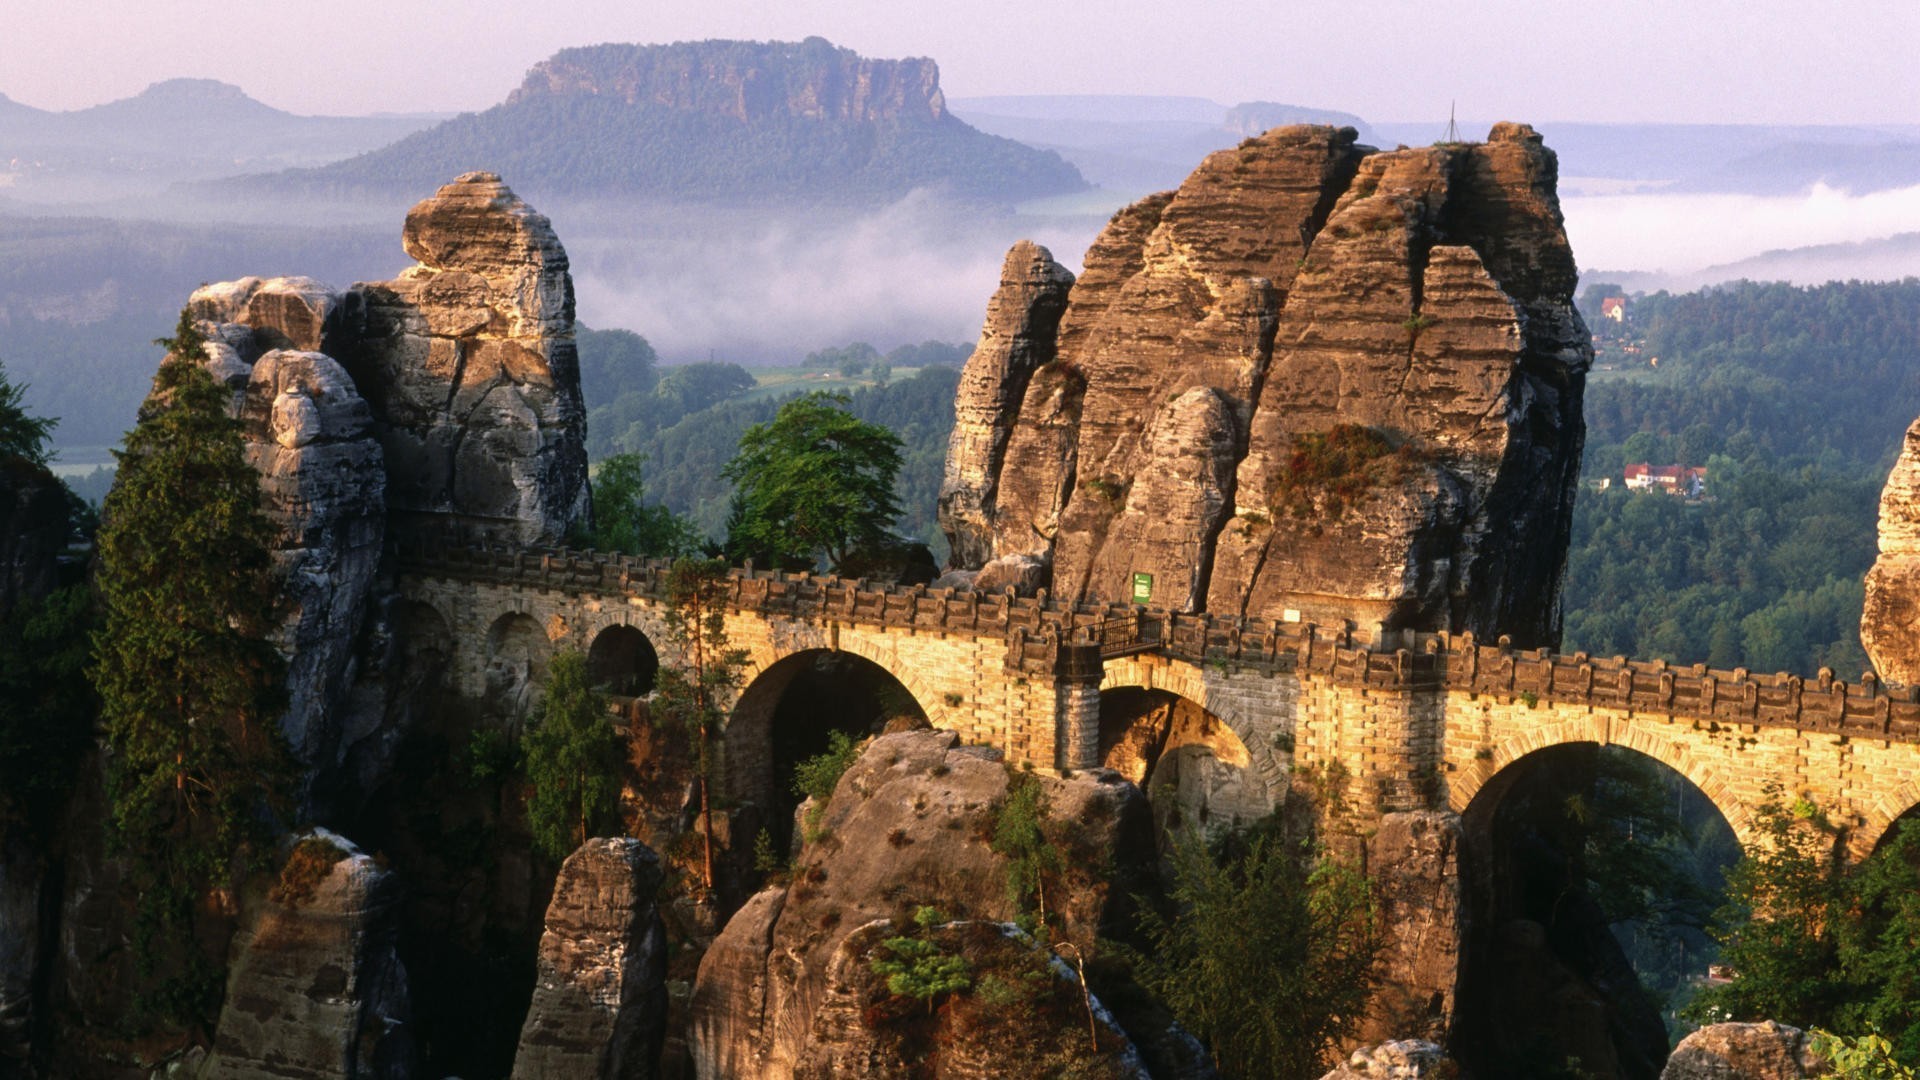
(81, 299)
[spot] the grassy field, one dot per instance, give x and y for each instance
(779, 382)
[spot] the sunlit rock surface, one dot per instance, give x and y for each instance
(1292, 286)
(317, 989)
(600, 1000)
(1762, 1051)
(1890, 623)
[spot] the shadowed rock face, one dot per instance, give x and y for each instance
(1890, 623)
(317, 989)
(599, 1006)
(33, 531)
(1293, 286)
(452, 392)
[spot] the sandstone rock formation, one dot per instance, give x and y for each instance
(1401, 1059)
(316, 988)
(1296, 286)
(599, 1003)
(1762, 1051)
(309, 434)
(22, 878)
(907, 824)
(1022, 320)
(451, 394)
(1890, 623)
(469, 363)
(862, 1030)
(749, 81)
(1414, 858)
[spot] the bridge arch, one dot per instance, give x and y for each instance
(1467, 783)
(622, 658)
(518, 652)
(1902, 803)
(790, 704)
(1546, 841)
(1247, 749)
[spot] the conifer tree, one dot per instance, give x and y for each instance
(572, 760)
(692, 693)
(190, 687)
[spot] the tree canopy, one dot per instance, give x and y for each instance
(21, 435)
(1269, 956)
(572, 756)
(623, 519)
(190, 687)
(814, 481)
(1817, 941)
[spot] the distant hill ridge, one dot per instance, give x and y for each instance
(713, 121)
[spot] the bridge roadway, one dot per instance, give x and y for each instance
(1411, 720)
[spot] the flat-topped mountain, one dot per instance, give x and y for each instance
(716, 121)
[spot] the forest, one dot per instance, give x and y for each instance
(1795, 399)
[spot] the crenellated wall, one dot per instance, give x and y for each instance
(1400, 722)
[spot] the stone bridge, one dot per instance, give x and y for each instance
(1404, 721)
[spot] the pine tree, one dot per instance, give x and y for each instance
(572, 760)
(190, 687)
(692, 693)
(21, 435)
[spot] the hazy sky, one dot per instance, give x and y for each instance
(1806, 61)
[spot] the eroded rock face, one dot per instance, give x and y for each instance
(316, 988)
(22, 876)
(1890, 623)
(1023, 319)
(1414, 858)
(449, 394)
(309, 433)
(906, 825)
(1293, 286)
(599, 1005)
(1762, 1051)
(469, 363)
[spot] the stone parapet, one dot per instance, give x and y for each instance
(1040, 631)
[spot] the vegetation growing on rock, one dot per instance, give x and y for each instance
(1268, 953)
(189, 685)
(1328, 471)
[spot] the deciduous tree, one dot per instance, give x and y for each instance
(816, 480)
(623, 519)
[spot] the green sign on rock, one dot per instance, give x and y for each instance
(1142, 588)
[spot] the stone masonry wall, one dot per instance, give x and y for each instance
(1413, 721)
